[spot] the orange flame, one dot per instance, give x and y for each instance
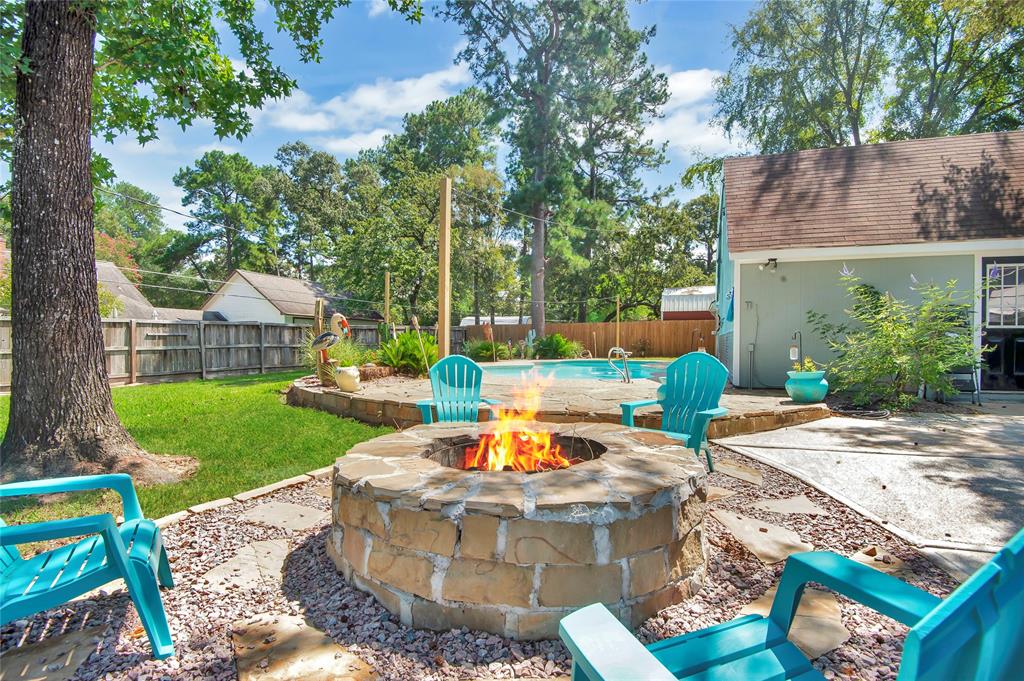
(514, 444)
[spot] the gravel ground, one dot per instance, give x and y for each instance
(202, 623)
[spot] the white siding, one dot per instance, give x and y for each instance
(240, 302)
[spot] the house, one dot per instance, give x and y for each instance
(933, 209)
(692, 302)
(131, 304)
(257, 297)
(180, 314)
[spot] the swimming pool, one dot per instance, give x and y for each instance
(594, 369)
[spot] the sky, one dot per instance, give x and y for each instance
(377, 66)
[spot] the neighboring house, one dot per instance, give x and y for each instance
(180, 314)
(692, 302)
(256, 297)
(131, 304)
(498, 319)
(935, 209)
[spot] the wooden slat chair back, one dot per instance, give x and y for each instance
(455, 382)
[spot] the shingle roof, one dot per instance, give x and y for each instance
(289, 296)
(130, 301)
(939, 189)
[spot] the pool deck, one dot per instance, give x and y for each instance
(392, 401)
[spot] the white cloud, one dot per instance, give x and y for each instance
(217, 146)
(130, 147)
(349, 145)
(365, 107)
(378, 7)
(686, 125)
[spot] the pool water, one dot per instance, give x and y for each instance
(594, 369)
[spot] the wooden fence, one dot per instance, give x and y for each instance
(139, 351)
(654, 338)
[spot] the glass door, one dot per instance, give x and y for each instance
(1002, 310)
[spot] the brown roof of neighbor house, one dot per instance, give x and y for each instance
(295, 297)
(939, 189)
(131, 303)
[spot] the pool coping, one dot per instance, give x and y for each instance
(403, 414)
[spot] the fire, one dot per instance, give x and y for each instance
(514, 445)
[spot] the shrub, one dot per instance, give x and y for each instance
(556, 346)
(893, 347)
(807, 365)
(404, 353)
(485, 351)
(347, 351)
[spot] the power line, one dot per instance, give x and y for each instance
(223, 281)
(545, 221)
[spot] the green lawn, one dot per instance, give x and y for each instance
(239, 429)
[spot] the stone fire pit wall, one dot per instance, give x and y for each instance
(511, 553)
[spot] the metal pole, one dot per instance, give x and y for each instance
(387, 298)
(618, 344)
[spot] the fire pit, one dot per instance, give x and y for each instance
(507, 526)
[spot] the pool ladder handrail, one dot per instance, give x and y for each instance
(624, 354)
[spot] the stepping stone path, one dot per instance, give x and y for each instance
(734, 469)
(818, 625)
(324, 491)
(255, 564)
(719, 493)
(770, 543)
(284, 515)
(875, 557)
(54, 659)
(794, 505)
(273, 647)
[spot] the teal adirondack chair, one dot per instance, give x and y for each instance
(689, 400)
(132, 551)
(975, 634)
(455, 381)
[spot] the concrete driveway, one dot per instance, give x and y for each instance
(952, 484)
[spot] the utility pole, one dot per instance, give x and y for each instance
(617, 310)
(444, 284)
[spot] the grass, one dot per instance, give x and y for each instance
(238, 429)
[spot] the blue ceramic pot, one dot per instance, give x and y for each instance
(805, 387)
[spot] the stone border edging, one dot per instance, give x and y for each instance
(173, 518)
(406, 414)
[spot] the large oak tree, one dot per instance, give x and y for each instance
(158, 59)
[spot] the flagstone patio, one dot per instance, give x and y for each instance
(392, 401)
(257, 597)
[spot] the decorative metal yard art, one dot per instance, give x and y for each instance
(423, 350)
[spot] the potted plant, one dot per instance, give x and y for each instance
(806, 382)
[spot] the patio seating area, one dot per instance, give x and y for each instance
(257, 596)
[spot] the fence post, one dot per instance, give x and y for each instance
(132, 354)
(202, 350)
(262, 369)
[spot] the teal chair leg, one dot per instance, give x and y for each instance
(426, 410)
(145, 593)
(578, 674)
(164, 571)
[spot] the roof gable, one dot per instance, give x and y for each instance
(939, 189)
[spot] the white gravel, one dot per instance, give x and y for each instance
(201, 622)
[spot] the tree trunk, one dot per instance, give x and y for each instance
(62, 420)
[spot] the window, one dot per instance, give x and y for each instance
(1004, 297)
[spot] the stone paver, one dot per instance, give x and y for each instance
(770, 543)
(818, 625)
(275, 647)
(252, 566)
(53, 659)
(719, 493)
(734, 469)
(794, 505)
(875, 557)
(284, 515)
(950, 482)
(324, 491)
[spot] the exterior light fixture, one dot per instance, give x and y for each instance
(771, 265)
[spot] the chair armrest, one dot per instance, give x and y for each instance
(11, 535)
(490, 401)
(883, 593)
(426, 410)
(605, 650)
(119, 482)
(628, 409)
(715, 413)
